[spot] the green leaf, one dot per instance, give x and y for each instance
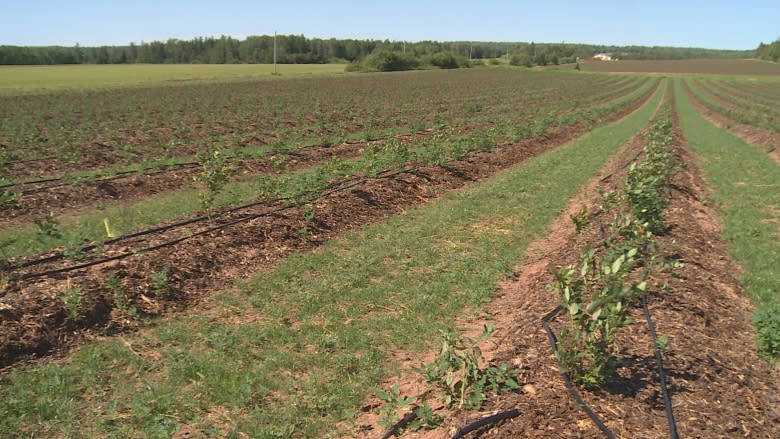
(617, 263)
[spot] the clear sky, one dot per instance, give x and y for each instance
(716, 24)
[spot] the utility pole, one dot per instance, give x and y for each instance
(274, 52)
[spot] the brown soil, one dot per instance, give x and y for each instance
(719, 387)
(34, 320)
(754, 136)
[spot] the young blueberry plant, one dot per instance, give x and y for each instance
(596, 298)
(215, 173)
(456, 374)
(160, 285)
(392, 401)
(456, 378)
(72, 299)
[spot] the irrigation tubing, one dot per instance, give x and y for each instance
(567, 380)
(659, 364)
(484, 422)
(117, 176)
(166, 168)
(340, 188)
(661, 374)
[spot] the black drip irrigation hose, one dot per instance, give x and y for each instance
(108, 178)
(661, 374)
(333, 188)
(484, 422)
(578, 398)
(567, 380)
(166, 168)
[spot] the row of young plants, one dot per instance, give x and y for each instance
(596, 294)
(760, 120)
(243, 149)
(766, 91)
(749, 102)
(78, 300)
(242, 145)
(295, 351)
(301, 187)
(745, 194)
(455, 378)
(149, 121)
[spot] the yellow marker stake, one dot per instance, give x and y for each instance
(109, 233)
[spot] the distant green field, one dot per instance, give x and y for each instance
(43, 79)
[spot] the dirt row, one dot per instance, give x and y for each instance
(719, 387)
(34, 319)
(760, 138)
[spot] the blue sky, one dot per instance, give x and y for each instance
(711, 24)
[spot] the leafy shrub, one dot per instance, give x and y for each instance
(522, 59)
(390, 61)
(446, 60)
(596, 297)
(214, 175)
(456, 373)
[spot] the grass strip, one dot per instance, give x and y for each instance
(297, 349)
(22, 80)
(746, 187)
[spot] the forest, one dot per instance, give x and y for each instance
(769, 52)
(298, 49)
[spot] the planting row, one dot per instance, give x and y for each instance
(295, 350)
(49, 297)
(734, 109)
(219, 186)
(94, 129)
(28, 199)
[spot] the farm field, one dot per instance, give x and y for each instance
(748, 67)
(263, 258)
(46, 79)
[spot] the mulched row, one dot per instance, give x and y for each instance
(33, 319)
(719, 387)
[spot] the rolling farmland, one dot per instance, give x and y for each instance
(267, 257)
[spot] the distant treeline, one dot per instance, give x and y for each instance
(297, 49)
(769, 52)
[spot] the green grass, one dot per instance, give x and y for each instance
(746, 185)
(46, 79)
(298, 349)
